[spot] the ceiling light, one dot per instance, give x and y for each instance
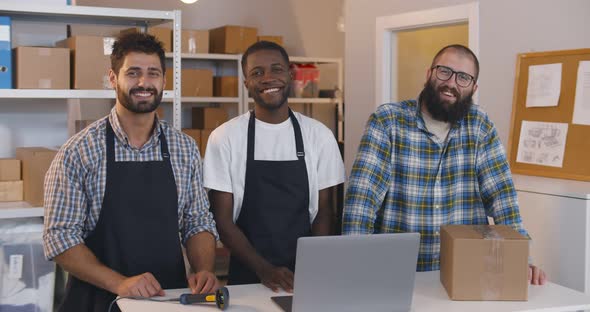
(189, 1)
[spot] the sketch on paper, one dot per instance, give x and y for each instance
(544, 85)
(542, 143)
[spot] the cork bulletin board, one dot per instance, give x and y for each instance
(574, 162)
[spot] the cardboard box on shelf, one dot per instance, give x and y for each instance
(208, 117)
(11, 191)
(9, 169)
(194, 41)
(42, 68)
(34, 161)
(5, 53)
(484, 262)
(90, 60)
(231, 39)
(194, 82)
(163, 34)
(276, 39)
(226, 86)
(205, 133)
(193, 133)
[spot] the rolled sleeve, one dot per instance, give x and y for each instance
(369, 179)
(196, 215)
(65, 208)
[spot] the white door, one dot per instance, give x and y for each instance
(393, 35)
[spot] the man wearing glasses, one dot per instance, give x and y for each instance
(435, 161)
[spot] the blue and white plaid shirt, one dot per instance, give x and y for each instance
(404, 181)
(76, 180)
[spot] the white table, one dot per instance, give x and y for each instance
(429, 295)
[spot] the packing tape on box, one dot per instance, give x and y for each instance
(493, 266)
(44, 83)
(192, 45)
(44, 52)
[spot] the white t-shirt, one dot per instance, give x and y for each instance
(224, 165)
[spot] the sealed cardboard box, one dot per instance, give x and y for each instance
(9, 169)
(226, 86)
(208, 117)
(163, 35)
(11, 191)
(90, 59)
(194, 82)
(193, 133)
(34, 161)
(205, 139)
(5, 53)
(276, 39)
(231, 39)
(194, 41)
(484, 262)
(42, 68)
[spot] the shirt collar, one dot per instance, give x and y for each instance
(122, 136)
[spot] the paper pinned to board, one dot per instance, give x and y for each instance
(582, 101)
(544, 85)
(542, 143)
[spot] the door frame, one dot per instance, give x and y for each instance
(386, 40)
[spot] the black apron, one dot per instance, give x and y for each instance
(275, 209)
(137, 230)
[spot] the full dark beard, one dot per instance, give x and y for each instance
(442, 110)
(141, 106)
(272, 105)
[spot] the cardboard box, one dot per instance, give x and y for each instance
(5, 53)
(484, 262)
(208, 117)
(163, 35)
(193, 133)
(194, 82)
(276, 39)
(35, 161)
(231, 39)
(204, 140)
(11, 191)
(9, 169)
(194, 41)
(90, 59)
(226, 86)
(42, 68)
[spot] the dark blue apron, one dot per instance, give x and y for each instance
(275, 209)
(137, 230)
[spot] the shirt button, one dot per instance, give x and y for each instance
(437, 233)
(436, 206)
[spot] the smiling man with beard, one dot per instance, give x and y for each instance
(271, 173)
(119, 193)
(435, 161)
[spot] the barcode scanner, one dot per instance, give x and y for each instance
(220, 297)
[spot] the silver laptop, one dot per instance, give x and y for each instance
(353, 273)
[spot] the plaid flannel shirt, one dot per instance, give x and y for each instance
(76, 181)
(404, 181)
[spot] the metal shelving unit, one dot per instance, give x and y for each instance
(87, 15)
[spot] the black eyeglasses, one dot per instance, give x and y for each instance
(445, 73)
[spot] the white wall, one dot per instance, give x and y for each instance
(507, 27)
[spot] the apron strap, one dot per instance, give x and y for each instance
(111, 144)
(296, 128)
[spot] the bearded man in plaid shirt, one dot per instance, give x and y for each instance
(435, 161)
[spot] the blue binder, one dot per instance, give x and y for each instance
(5, 54)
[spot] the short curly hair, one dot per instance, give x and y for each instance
(135, 42)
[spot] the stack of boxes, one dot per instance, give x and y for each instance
(35, 162)
(204, 121)
(11, 184)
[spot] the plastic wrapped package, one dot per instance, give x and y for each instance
(306, 78)
(27, 279)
